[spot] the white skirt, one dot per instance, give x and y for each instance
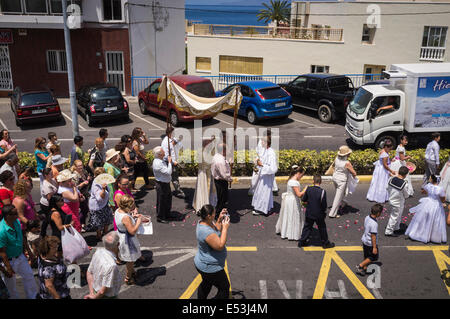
(378, 186)
(291, 219)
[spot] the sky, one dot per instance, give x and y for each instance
(231, 2)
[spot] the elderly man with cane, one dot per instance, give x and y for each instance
(162, 171)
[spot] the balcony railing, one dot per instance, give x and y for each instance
(321, 34)
(432, 54)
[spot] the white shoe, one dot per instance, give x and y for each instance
(256, 213)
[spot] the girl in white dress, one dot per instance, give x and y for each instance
(127, 227)
(445, 180)
(291, 219)
(400, 160)
(428, 223)
(378, 186)
(205, 190)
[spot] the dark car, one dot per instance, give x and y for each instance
(261, 100)
(194, 84)
(328, 94)
(101, 102)
(34, 106)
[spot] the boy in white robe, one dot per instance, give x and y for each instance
(255, 175)
(262, 201)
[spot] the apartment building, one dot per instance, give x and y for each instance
(112, 40)
(351, 37)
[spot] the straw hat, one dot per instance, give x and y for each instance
(64, 175)
(111, 153)
(58, 160)
(344, 150)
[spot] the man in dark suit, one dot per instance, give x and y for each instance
(316, 200)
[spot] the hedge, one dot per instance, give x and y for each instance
(313, 161)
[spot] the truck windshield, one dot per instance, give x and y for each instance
(360, 101)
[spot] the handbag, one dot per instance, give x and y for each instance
(330, 170)
(73, 245)
(145, 229)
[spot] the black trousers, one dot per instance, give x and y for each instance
(222, 195)
(163, 200)
(141, 169)
(217, 279)
(308, 226)
(45, 211)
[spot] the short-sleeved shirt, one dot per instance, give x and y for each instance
(41, 164)
(56, 270)
(106, 273)
(5, 194)
(370, 227)
(207, 259)
(11, 238)
(76, 153)
(47, 188)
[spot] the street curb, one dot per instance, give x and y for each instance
(279, 179)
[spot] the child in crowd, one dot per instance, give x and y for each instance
(398, 191)
(370, 239)
(33, 232)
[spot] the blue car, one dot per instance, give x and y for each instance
(261, 100)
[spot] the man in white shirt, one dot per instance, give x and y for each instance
(221, 172)
(162, 171)
(175, 147)
(10, 165)
(103, 275)
(262, 201)
(432, 158)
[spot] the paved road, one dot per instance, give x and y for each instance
(261, 265)
(301, 130)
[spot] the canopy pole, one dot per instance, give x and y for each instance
(167, 113)
(235, 125)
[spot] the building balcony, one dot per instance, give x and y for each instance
(261, 32)
(432, 54)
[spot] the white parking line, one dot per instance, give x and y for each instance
(217, 118)
(318, 136)
(4, 126)
(70, 119)
(141, 118)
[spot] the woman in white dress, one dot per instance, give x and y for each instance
(127, 227)
(428, 223)
(445, 180)
(342, 169)
(291, 219)
(400, 160)
(378, 186)
(205, 190)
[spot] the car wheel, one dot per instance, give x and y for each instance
(18, 123)
(127, 118)
(251, 117)
(380, 141)
(325, 113)
(142, 107)
(89, 120)
(174, 118)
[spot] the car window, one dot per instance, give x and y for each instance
(300, 82)
(106, 93)
(228, 89)
(273, 93)
(312, 84)
(245, 90)
(203, 89)
(36, 99)
(339, 85)
(154, 88)
(385, 104)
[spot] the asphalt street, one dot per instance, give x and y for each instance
(261, 265)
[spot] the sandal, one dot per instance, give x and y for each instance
(131, 280)
(120, 262)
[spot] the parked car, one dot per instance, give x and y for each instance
(261, 100)
(101, 102)
(34, 106)
(328, 94)
(194, 84)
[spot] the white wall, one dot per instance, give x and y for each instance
(397, 41)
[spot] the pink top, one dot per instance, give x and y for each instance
(28, 211)
(119, 191)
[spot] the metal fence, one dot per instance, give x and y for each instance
(139, 83)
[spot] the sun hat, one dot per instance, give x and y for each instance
(58, 160)
(64, 175)
(344, 150)
(111, 153)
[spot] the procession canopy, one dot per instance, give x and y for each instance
(196, 105)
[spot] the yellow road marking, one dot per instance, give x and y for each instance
(337, 248)
(442, 260)
(198, 280)
(323, 276)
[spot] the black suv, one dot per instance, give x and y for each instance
(102, 102)
(328, 94)
(34, 106)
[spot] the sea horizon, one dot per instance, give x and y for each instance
(224, 14)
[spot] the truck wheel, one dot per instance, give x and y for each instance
(380, 141)
(174, 118)
(142, 107)
(251, 117)
(325, 113)
(89, 120)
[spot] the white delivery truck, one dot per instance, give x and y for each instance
(416, 101)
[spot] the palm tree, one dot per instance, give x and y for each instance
(279, 10)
